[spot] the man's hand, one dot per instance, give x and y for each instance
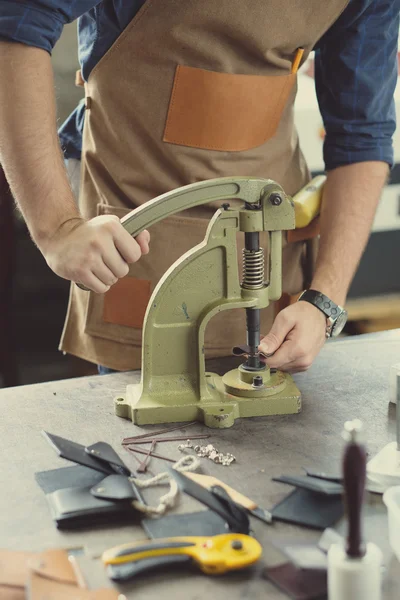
(296, 337)
(95, 253)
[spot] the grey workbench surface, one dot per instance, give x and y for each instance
(349, 379)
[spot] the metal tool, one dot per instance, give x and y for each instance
(212, 555)
(217, 499)
(174, 385)
(354, 570)
(210, 483)
(178, 438)
(142, 468)
(151, 454)
(149, 434)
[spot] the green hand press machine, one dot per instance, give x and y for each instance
(175, 386)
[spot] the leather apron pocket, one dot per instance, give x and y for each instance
(225, 111)
(118, 314)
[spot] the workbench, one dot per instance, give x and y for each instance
(349, 379)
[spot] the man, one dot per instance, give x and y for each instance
(146, 64)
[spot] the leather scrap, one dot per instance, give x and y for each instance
(42, 588)
(106, 453)
(55, 565)
(12, 593)
(115, 488)
(14, 568)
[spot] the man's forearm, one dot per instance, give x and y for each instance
(350, 199)
(29, 147)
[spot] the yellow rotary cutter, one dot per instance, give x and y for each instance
(213, 555)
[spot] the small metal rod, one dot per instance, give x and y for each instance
(179, 438)
(142, 468)
(252, 243)
(160, 431)
(140, 462)
(140, 451)
(253, 337)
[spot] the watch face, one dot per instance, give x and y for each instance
(339, 324)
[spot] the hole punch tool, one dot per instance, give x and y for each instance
(174, 385)
(218, 500)
(212, 555)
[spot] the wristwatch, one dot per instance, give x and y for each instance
(336, 316)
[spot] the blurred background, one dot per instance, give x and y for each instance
(33, 300)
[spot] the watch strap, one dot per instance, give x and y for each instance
(327, 306)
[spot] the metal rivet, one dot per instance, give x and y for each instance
(275, 199)
(258, 381)
(236, 545)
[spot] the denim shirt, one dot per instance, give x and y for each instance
(355, 66)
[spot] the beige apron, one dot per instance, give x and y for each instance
(190, 91)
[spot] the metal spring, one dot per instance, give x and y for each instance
(253, 269)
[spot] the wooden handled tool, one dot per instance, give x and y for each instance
(208, 482)
(354, 473)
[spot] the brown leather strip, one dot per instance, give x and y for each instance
(126, 302)
(305, 233)
(54, 564)
(225, 111)
(41, 588)
(79, 81)
(12, 593)
(14, 567)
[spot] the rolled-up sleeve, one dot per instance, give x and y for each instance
(355, 77)
(39, 23)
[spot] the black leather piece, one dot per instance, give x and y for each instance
(66, 477)
(203, 523)
(238, 512)
(299, 584)
(116, 488)
(261, 514)
(332, 476)
(234, 515)
(310, 509)
(126, 571)
(329, 488)
(325, 304)
(73, 508)
(77, 453)
(106, 453)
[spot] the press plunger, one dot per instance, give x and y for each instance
(354, 569)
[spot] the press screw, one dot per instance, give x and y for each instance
(226, 205)
(258, 381)
(236, 545)
(275, 199)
